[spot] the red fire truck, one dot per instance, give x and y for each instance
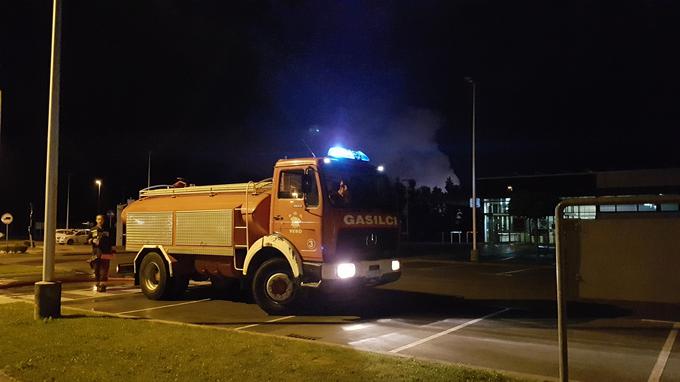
(318, 223)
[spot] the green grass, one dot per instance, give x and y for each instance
(95, 348)
(7, 270)
(17, 270)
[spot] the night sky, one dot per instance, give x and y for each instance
(218, 90)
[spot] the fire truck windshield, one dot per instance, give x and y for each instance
(358, 187)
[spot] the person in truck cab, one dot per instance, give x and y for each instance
(341, 196)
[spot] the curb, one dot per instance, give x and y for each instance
(63, 281)
(472, 263)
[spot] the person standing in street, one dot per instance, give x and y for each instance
(102, 253)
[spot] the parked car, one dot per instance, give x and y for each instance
(72, 236)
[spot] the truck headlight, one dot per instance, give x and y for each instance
(395, 265)
(346, 270)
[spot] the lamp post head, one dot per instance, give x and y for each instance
(469, 80)
(98, 182)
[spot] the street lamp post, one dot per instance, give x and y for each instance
(48, 291)
(474, 255)
(98, 182)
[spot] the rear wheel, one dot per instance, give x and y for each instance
(275, 289)
(154, 277)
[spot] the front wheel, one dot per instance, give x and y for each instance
(275, 289)
(69, 242)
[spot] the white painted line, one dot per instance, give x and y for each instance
(447, 331)
(657, 371)
(164, 306)
(353, 327)
(516, 271)
(266, 322)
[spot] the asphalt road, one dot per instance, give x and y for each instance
(497, 316)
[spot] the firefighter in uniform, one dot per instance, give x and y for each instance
(102, 253)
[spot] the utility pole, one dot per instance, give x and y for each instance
(68, 199)
(0, 119)
(148, 172)
(48, 291)
(474, 255)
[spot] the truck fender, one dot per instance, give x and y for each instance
(282, 245)
(152, 248)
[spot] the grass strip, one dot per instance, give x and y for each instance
(96, 348)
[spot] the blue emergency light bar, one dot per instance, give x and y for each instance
(343, 153)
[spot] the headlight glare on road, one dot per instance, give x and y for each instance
(395, 265)
(346, 270)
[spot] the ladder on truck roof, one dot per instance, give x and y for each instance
(244, 208)
(168, 190)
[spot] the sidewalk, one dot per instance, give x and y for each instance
(488, 253)
(70, 266)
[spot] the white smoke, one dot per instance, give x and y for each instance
(406, 144)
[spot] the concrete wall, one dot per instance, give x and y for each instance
(631, 258)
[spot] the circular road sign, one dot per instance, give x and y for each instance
(7, 218)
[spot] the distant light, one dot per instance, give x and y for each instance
(326, 160)
(381, 168)
(510, 188)
(341, 152)
(346, 270)
(395, 265)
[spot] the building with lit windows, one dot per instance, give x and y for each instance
(497, 194)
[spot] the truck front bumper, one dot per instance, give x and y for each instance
(358, 273)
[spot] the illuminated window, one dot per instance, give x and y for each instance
(607, 208)
(626, 208)
(669, 207)
(647, 207)
(579, 212)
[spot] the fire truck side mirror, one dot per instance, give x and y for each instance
(307, 180)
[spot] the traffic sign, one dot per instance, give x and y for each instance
(7, 218)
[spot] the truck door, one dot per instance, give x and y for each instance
(296, 215)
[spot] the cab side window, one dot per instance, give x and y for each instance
(290, 184)
(290, 187)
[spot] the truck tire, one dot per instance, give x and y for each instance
(154, 277)
(274, 288)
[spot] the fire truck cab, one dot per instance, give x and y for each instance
(323, 222)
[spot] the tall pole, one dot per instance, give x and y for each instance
(0, 119)
(48, 292)
(474, 255)
(52, 148)
(68, 199)
(148, 172)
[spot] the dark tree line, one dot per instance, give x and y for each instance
(427, 212)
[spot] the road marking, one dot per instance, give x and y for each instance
(164, 306)
(657, 371)
(266, 322)
(353, 327)
(516, 271)
(447, 331)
